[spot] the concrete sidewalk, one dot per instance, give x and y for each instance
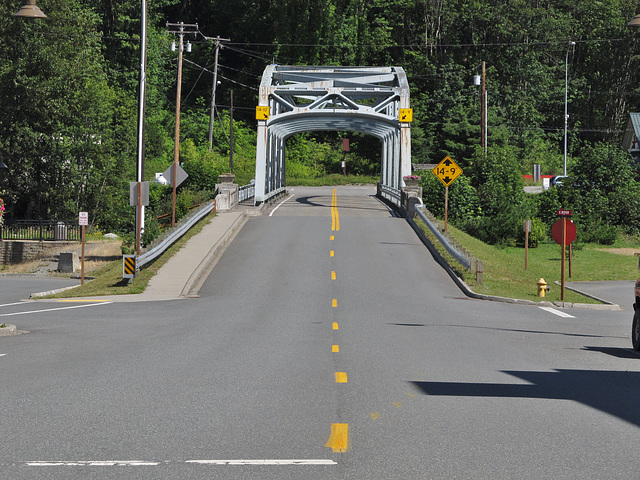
(185, 272)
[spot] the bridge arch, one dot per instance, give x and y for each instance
(311, 98)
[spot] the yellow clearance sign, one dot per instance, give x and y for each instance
(406, 115)
(262, 113)
(447, 171)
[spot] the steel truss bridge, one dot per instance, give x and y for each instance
(311, 98)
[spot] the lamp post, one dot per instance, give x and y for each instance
(30, 10)
(566, 115)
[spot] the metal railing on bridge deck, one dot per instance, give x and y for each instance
(245, 192)
(391, 194)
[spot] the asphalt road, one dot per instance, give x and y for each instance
(326, 344)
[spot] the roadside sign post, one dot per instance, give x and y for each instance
(83, 220)
(564, 232)
(129, 267)
(139, 197)
(447, 171)
(527, 229)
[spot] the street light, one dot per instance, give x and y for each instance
(635, 21)
(30, 10)
(566, 115)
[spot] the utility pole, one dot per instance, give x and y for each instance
(218, 46)
(231, 135)
(176, 151)
(566, 113)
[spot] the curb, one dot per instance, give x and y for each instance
(9, 330)
(479, 296)
(201, 273)
(52, 292)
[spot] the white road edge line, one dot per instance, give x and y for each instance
(11, 304)
(90, 463)
(54, 309)
(3, 354)
(141, 463)
(274, 210)
(265, 462)
(556, 312)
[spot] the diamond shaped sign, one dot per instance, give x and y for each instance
(168, 174)
(447, 171)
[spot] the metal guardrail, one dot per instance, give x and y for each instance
(246, 192)
(41, 230)
(174, 236)
(391, 194)
(460, 258)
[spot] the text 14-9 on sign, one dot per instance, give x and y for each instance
(447, 171)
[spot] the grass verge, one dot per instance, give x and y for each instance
(109, 281)
(505, 275)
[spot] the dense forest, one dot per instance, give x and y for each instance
(68, 100)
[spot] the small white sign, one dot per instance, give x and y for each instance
(83, 218)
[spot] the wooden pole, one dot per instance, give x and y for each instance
(564, 245)
(176, 146)
(446, 206)
(231, 135)
(570, 258)
(82, 261)
(526, 243)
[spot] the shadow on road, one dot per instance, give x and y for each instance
(615, 393)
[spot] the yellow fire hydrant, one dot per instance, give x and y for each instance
(542, 287)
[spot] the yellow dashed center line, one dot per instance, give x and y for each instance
(341, 377)
(335, 348)
(333, 275)
(335, 218)
(339, 438)
(335, 325)
(374, 415)
(331, 253)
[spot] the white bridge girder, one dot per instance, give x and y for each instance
(361, 99)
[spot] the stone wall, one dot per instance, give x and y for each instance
(17, 251)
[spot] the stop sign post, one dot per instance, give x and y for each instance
(564, 232)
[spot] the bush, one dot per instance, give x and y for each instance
(537, 234)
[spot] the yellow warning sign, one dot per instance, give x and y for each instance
(447, 171)
(406, 114)
(262, 113)
(128, 266)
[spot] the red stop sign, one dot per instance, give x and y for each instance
(556, 231)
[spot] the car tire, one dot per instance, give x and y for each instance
(635, 331)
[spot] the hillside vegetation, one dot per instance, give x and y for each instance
(68, 107)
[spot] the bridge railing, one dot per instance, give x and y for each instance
(246, 192)
(391, 194)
